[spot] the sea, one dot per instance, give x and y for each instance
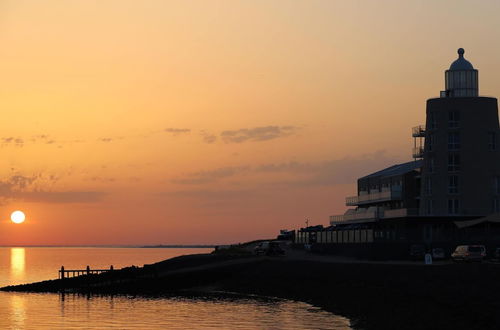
(20, 265)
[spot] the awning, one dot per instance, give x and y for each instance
(469, 223)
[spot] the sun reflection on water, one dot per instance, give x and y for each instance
(17, 312)
(17, 263)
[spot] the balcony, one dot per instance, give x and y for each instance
(383, 196)
(418, 152)
(400, 213)
(418, 131)
(353, 216)
(357, 216)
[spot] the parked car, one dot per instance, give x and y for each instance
(268, 248)
(469, 253)
(496, 254)
(438, 253)
(417, 252)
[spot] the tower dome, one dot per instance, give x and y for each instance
(461, 63)
(461, 80)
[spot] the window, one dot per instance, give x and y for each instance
(453, 205)
(453, 141)
(432, 120)
(453, 162)
(453, 119)
(430, 141)
(496, 205)
(492, 143)
(496, 184)
(429, 206)
(428, 186)
(431, 165)
(453, 184)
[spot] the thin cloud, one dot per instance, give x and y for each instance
(264, 133)
(333, 172)
(177, 131)
(210, 176)
(28, 188)
(101, 179)
(12, 141)
(208, 137)
(61, 197)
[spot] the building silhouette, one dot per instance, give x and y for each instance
(448, 195)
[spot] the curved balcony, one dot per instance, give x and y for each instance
(381, 196)
(418, 152)
(418, 131)
(353, 216)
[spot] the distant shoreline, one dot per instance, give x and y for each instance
(172, 246)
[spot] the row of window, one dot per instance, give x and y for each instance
(454, 141)
(453, 206)
(337, 236)
(377, 187)
(458, 81)
(453, 119)
(453, 186)
(453, 163)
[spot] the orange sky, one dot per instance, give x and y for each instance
(148, 122)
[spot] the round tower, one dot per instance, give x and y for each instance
(461, 156)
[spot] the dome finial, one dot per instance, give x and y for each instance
(460, 52)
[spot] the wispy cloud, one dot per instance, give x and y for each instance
(177, 131)
(332, 172)
(61, 197)
(253, 134)
(31, 189)
(208, 137)
(257, 133)
(12, 141)
(101, 179)
(210, 176)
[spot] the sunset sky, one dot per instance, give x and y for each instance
(165, 122)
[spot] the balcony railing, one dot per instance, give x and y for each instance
(355, 216)
(336, 218)
(418, 152)
(400, 213)
(386, 214)
(382, 196)
(418, 131)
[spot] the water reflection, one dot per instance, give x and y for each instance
(17, 262)
(17, 312)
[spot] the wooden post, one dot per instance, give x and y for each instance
(111, 268)
(88, 270)
(62, 272)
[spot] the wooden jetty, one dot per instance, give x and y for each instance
(67, 273)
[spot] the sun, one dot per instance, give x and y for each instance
(17, 217)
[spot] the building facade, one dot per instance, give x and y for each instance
(439, 198)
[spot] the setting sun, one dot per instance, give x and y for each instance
(17, 217)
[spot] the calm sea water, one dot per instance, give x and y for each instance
(56, 311)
